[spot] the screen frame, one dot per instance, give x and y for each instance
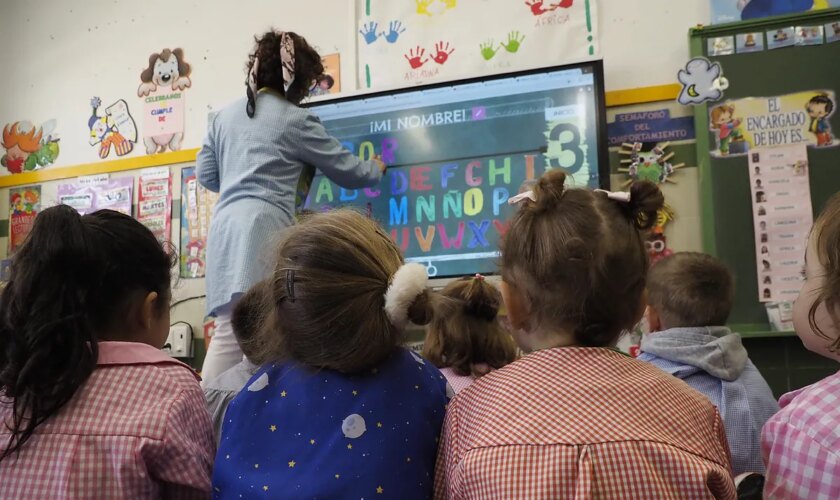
(602, 148)
(597, 65)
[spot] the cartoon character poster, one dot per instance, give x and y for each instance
(29, 147)
(96, 192)
(154, 202)
(330, 81)
(114, 127)
(417, 41)
(196, 208)
(727, 11)
(740, 125)
(161, 85)
(24, 205)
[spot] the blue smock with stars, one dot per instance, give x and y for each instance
(297, 432)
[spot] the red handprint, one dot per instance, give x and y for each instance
(537, 8)
(442, 52)
(562, 4)
(415, 57)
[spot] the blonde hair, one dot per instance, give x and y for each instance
(328, 295)
(466, 330)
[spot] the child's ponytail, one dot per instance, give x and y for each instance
(69, 282)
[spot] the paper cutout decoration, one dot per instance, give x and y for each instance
(162, 83)
(749, 42)
(196, 208)
(649, 162)
(832, 32)
(24, 205)
(115, 128)
(781, 37)
(809, 35)
(656, 242)
(28, 147)
(721, 46)
(702, 81)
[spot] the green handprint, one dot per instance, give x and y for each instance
(487, 50)
(514, 41)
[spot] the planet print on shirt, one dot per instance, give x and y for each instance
(353, 426)
(259, 384)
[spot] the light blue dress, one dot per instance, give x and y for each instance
(256, 164)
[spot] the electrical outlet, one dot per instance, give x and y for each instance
(179, 341)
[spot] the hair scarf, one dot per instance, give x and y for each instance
(287, 59)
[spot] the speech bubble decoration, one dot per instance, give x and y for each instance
(702, 80)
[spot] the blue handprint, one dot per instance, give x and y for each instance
(395, 29)
(369, 32)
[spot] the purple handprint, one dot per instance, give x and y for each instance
(395, 29)
(368, 32)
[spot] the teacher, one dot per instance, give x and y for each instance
(257, 152)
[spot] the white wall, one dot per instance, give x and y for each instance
(57, 54)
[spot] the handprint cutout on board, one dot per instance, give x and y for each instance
(423, 7)
(415, 57)
(442, 52)
(395, 29)
(537, 8)
(368, 32)
(514, 41)
(562, 4)
(488, 49)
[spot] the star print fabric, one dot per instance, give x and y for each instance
(296, 432)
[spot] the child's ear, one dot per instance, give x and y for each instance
(147, 314)
(654, 321)
(516, 304)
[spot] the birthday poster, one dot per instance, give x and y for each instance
(24, 204)
(96, 192)
(782, 217)
(196, 208)
(416, 41)
(740, 125)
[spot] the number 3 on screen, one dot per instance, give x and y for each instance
(569, 133)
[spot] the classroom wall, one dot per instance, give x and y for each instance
(57, 55)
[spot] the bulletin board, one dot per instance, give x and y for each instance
(728, 227)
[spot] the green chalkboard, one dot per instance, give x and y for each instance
(727, 211)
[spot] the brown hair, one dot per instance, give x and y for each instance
(466, 331)
(827, 230)
(308, 65)
(249, 314)
(579, 258)
(690, 289)
(719, 110)
(328, 295)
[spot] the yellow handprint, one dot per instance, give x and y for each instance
(423, 7)
(451, 4)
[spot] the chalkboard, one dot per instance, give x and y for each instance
(456, 153)
(725, 197)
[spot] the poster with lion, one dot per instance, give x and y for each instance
(162, 86)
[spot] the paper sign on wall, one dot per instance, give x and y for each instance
(408, 42)
(740, 125)
(89, 194)
(196, 208)
(161, 85)
(24, 205)
(781, 200)
(154, 202)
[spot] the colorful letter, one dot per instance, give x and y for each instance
(420, 178)
(472, 180)
(453, 201)
(345, 195)
(399, 182)
(349, 146)
(473, 201)
(500, 198)
(324, 189)
(529, 167)
(425, 207)
(389, 147)
(372, 193)
(425, 242)
(504, 171)
(366, 151)
(398, 214)
(501, 227)
(446, 172)
(404, 245)
(453, 243)
(478, 234)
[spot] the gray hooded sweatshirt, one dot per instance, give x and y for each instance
(713, 361)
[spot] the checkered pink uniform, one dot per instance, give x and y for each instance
(138, 428)
(801, 444)
(582, 423)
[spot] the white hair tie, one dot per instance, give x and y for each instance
(621, 196)
(408, 282)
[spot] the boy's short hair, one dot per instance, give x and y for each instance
(690, 289)
(248, 315)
